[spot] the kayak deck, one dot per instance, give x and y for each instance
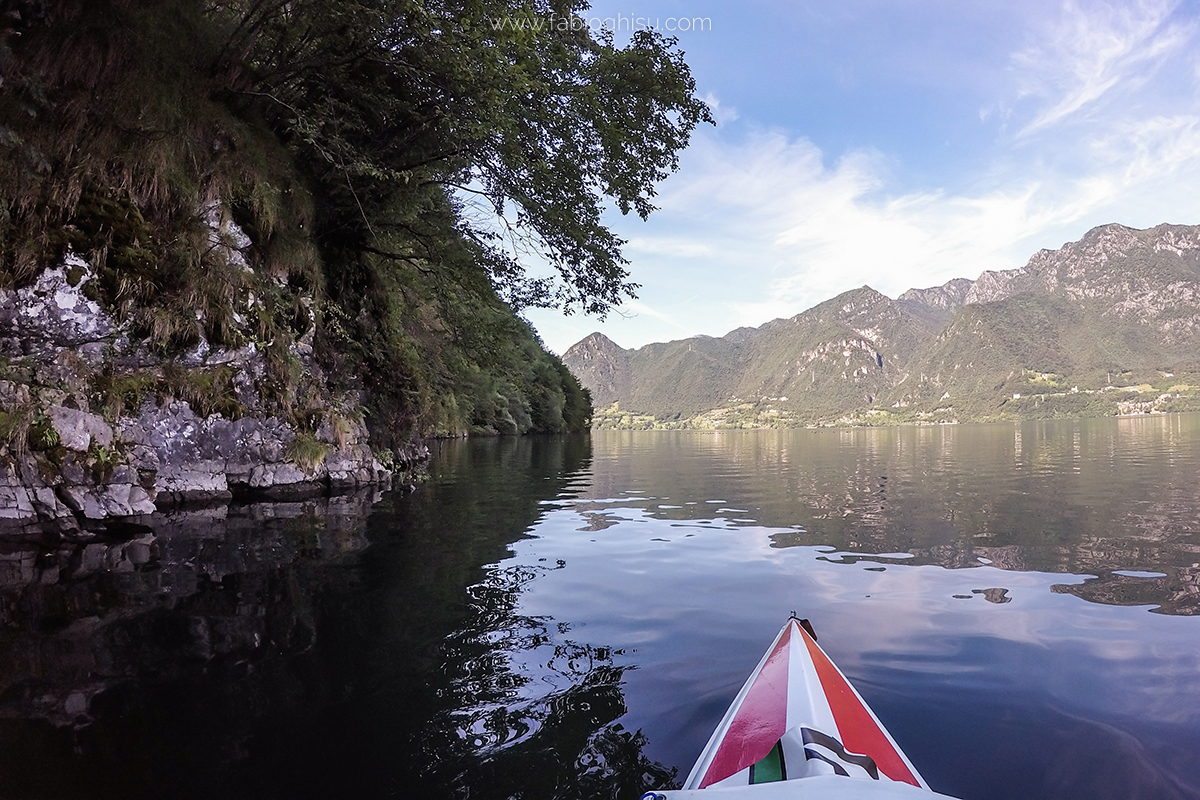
(799, 729)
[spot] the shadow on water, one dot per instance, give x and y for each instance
(318, 649)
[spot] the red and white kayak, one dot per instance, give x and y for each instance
(798, 729)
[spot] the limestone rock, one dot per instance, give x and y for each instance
(111, 500)
(52, 314)
(163, 453)
(78, 429)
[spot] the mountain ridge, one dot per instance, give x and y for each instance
(1118, 302)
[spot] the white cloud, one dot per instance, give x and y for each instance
(760, 228)
(776, 230)
(667, 246)
(637, 307)
(1089, 52)
(1153, 148)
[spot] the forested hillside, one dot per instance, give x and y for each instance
(350, 187)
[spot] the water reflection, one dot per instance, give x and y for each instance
(1177, 592)
(549, 731)
(267, 651)
(1073, 496)
(945, 568)
(526, 708)
(569, 617)
(187, 586)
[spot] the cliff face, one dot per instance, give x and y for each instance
(1108, 324)
(844, 352)
(948, 296)
(1149, 276)
(94, 425)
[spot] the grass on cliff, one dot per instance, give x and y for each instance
(306, 452)
(14, 429)
(116, 146)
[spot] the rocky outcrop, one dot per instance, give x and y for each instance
(90, 428)
(191, 458)
(53, 315)
(937, 304)
(948, 296)
(1140, 272)
(1149, 276)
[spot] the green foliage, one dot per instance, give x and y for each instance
(117, 100)
(306, 451)
(392, 162)
(116, 394)
(103, 460)
(464, 362)
(1026, 357)
(42, 435)
(389, 104)
(206, 391)
(14, 429)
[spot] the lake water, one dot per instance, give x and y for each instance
(570, 617)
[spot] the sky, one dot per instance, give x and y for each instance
(899, 144)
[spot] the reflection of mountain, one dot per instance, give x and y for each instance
(266, 651)
(1176, 592)
(1081, 497)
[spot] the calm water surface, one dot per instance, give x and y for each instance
(571, 617)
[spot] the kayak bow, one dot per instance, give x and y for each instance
(798, 729)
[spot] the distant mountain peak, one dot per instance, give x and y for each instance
(594, 341)
(949, 295)
(602, 366)
(1110, 260)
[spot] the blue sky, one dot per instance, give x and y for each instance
(899, 145)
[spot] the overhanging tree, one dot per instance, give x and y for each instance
(413, 117)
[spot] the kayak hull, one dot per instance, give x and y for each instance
(819, 787)
(799, 729)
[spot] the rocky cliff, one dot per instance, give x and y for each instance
(93, 425)
(602, 366)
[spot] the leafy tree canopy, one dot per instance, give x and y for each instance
(505, 121)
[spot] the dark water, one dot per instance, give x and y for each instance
(570, 617)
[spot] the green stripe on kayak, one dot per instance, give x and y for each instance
(770, 768)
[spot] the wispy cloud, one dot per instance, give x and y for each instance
(798, 230)
(637, 307)
(723, 113)
(667, 246)
(1091, 52)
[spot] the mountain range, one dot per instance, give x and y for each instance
(1109, 324)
